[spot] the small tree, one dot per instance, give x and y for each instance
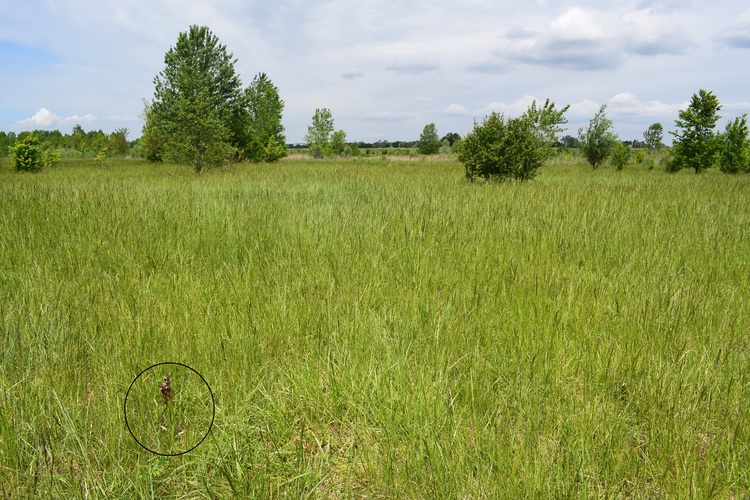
(598, 140)
(118, 141)
(654, 136)
(735, 147)
(620, 155)
(515, 148)
(338, 143)
(695, 144)
(28, 155)
(151, 143)
(451, 137)
(263, 134)
(319, 133)
(6, 142)
(429, 142)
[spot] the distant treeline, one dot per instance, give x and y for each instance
(369, 145)
(78, 141)
(567, 141)
(117, 144)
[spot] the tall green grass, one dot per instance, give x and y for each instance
(379, 329)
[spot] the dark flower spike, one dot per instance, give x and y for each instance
(166, 390)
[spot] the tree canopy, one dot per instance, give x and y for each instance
(319, 133)
(514, 148)
(597, 141)
(263, 138)
(695, 144)
(200, 113)
(429, 141)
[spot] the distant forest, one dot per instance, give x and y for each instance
(117, 144)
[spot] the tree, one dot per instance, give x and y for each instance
(198, 102)
(151, 143)
(570, 142)
(118, 141)
(451, 137)
(429, 143)
(654, 136)
(319, 133)
(598, 140)
(338, 143)
(514, 148)
(735, 148)
(6, 142)
(262, 134)
(78, 139)
(695, 144)
(620, 154)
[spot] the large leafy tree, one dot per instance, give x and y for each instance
(696, 144)
(263, 135)
(598, 140)
(195, 116)
(514, 148)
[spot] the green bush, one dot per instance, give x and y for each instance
(500, 149)
(598, 140)
(620, 155)
(28, 155)
(640, 157)
(735, 147)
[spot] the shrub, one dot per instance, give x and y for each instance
(620, 155)
(598, 140)
(500, 149)
(735, 147)
(28, 156)
(640, 157)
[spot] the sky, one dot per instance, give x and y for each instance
(385, 68)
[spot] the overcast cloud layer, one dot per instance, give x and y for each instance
(384, 68)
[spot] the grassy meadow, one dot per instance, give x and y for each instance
(376, 329)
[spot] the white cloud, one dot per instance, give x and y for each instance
(628, 104)
(737, 34)
(73, 119)
(388, 116)
(649, 34)
(585, 108)
(578, 25)
(515, 108)
(588, 39)
(43, 118)
(457, 110)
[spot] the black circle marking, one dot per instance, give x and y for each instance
(210, 425)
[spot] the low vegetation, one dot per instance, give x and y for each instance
(377, 329)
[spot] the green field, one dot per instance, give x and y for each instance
(376, 329)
